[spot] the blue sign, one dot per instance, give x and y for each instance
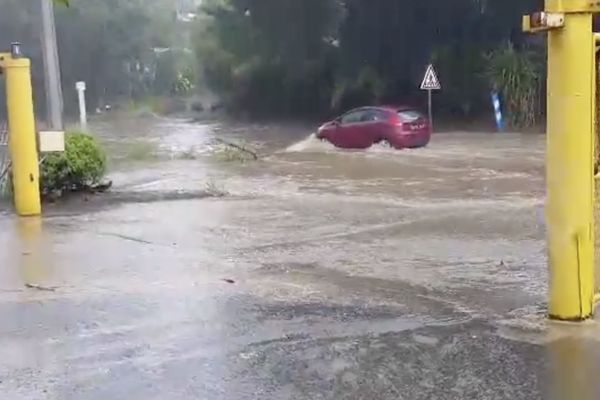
(498, 111)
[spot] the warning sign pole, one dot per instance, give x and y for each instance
(430, 83)
(430, 105)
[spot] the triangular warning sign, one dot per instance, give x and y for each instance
(430, 80)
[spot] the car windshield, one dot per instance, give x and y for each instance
(409, 115)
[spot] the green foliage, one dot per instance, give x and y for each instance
(115, 46)
(175, 73)
(516, 75)
(367, 89)
(278, 57)
(319, 56)
(181, 85)
(461, 69)
(269, 56)
(83, 164)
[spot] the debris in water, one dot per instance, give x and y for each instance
(231, 281)
(238, 147)
(42, 288)
(125, 237)
(102, 187)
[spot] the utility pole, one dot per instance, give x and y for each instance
(571, 195)
(54, 99)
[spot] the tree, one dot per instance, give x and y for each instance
(516, 76)
(113, 45)
(270, 56)
(304, 56)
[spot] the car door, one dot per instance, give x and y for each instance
(349, 130)
(373, 126)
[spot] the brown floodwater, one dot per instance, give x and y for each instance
(312, 273)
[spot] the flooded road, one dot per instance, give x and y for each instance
(313, 273)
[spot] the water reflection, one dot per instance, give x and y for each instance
(33, 262)
(573, 363)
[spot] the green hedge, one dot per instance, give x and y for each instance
(81, 166)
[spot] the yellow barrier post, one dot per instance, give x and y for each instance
(570, 154)
(21, 126)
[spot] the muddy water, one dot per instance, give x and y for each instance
(319, 274)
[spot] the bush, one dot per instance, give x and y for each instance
(516, 75)
(81, 166)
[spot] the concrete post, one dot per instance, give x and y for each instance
(80, 87)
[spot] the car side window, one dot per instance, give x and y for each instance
(352, 117)
(373, 116)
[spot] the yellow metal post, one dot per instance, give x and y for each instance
(21, 126)
(570, 155)
(570, 169)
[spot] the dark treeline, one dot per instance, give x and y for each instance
(290, 57)
(123, 49)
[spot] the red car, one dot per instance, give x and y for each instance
(398, 127)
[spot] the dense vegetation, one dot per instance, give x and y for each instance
(318, 56)
(123, 49)
(292, 57)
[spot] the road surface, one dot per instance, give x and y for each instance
(320, 274)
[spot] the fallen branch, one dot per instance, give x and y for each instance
(125, 237)
(41, 288)
(238, 147)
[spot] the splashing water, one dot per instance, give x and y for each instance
(310, 145)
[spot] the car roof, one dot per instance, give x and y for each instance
(392, 108)
(386, 108)
(398, 108)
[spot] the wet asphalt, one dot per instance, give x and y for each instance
(312, 273)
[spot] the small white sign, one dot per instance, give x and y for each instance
(52, 141)
(80, 86)
(430, 80)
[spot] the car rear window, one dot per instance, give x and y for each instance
(409, 115)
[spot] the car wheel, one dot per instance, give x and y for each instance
(385, 143)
